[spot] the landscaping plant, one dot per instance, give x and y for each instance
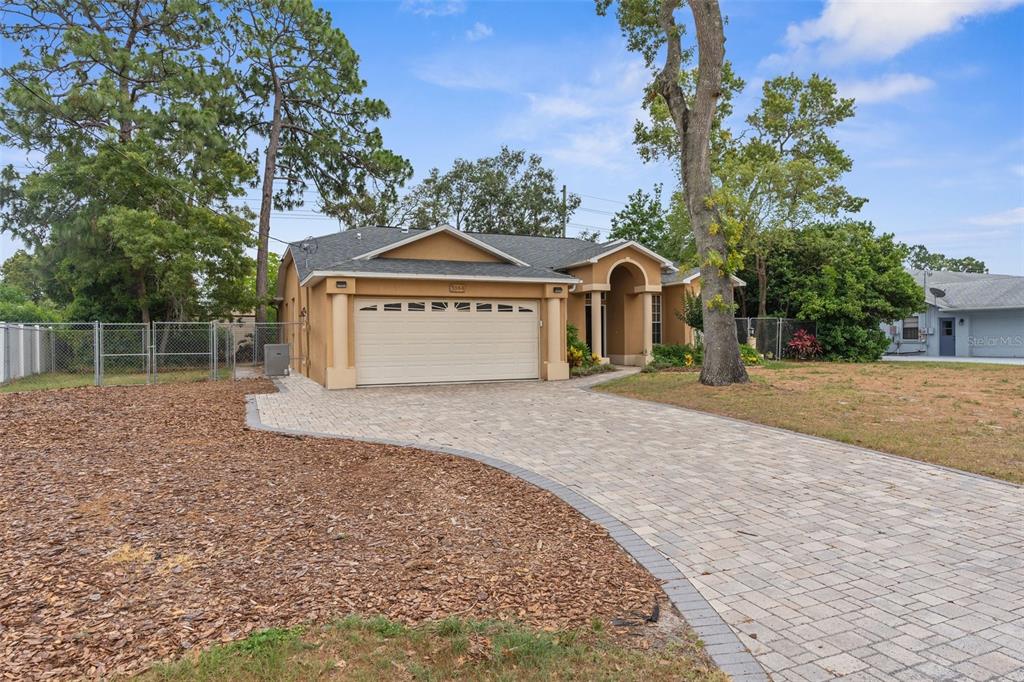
(804, 345)
(578, 351)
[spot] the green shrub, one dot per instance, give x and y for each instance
(685, 355)
(749, 355)
(678, 355)
(578, 352)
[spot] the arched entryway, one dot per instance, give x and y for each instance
(625, 315)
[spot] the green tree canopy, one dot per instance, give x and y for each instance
(784, 171)
(22, 271)
(300, 90)
(511, 192)
(16, 306)
(849, 281)
(920, 258)
(128, 211)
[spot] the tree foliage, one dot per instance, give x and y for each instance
(920, 258)
(128, 211)
(784, 171)
(664, 230)
(22, 272)
(299, 88)
(849, 281)
(17, 306)
(511, 192)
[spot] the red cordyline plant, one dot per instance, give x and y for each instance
(804, 345)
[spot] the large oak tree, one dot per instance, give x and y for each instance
(651, 28)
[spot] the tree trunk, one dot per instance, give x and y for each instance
(266, 204)
(722, 364)
(761, 264)
(141, 292)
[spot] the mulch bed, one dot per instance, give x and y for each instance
(137, 523)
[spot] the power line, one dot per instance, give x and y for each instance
(594, 210)
(611, 201)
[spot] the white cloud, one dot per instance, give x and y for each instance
(850, 31)
(886, 88)
(599, 146)
(1013, 216)
(479, 31)
(560, 106)
(434, 8)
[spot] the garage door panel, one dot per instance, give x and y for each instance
(435, 340)
(997, 334)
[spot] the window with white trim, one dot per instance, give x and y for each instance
(911, 329)
(655, 318)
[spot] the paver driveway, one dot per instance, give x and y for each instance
(828, 560)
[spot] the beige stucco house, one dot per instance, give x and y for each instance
(392, 306)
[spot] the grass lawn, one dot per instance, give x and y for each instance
(451, 649)
(48, 380)
(966, 416)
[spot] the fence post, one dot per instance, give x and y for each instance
(97, 355)
(778, 339)
(211, 342)
(146, 348)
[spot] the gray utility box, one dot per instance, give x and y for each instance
(275, 359)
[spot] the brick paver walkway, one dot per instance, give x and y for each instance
(828, 560)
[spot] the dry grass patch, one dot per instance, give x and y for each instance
(965, 416)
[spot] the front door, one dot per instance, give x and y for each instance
(947, 336)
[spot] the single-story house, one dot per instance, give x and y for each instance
(967, 314)
(394, 306)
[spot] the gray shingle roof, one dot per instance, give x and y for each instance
(966, 290)
(467, 269)
(544, 255)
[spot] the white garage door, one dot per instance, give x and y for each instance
(408, 341)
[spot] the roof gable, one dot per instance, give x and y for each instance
(442, 243)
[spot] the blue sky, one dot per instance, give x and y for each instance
(937, 143)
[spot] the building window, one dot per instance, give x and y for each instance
(911, 332)
(656, 318)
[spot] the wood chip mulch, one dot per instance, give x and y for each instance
(137, 523)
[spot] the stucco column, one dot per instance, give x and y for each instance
(595, 325)
(555, 368)
(648, 339)
(339, 374)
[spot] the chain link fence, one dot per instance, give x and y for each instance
(56, 355)
(771, 335)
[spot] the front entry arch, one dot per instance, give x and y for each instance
(628, 315)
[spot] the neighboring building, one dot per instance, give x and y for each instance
(388, 306)
(967, 315)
